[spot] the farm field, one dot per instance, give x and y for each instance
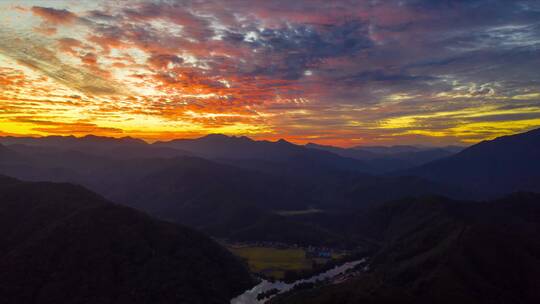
(273, 262)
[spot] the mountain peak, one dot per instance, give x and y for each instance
(106, 139)
(215, 136)
(283, 141)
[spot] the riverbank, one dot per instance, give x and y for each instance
(271, 289)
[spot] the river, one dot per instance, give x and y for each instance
(250, 296)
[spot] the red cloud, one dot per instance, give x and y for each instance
(69, 45)
(54, 16)
(162, 61)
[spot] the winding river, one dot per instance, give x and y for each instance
(250, 296)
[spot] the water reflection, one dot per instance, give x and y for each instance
(250, 296)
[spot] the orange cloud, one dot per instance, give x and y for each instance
(317, 70)
(45, 30)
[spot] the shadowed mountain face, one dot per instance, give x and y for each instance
(60, 243)
(243, 148)
(237, 202)
(437, 250)
(503, 165)
(6, 154)
(387, 159)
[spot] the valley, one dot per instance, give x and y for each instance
(270, 152)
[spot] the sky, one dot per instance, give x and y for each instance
(343, 72)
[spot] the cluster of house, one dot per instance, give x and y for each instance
(318, 252)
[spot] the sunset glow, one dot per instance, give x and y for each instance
(347, 72)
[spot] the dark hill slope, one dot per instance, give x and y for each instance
(499, 166)
(60, 243)
(441, 251)
(226, 202)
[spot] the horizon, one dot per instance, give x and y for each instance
(345, 73)
(231, 136)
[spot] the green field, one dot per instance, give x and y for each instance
(273, 262)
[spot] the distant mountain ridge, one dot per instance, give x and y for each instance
(383, 159)
(222, 147)
(404, 149)
(120, 148)
(70, 140)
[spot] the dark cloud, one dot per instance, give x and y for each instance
(381, 75)
(295, 49)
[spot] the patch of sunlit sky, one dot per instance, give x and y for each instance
(309, 72)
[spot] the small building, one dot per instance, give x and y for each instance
(323, 253)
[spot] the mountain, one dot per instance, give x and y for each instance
(71, 142)
(345, 152)
(387, 159)
(226, 201)
(238, 203)
(398, 149)
(60, 243)
(221, 147)
(118, 148)
(220, 199)
(235, 199)
(5, 153)
(436, 250)
(503, 165)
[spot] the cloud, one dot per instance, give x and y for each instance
(163, 61)
(295, 49)
(74, 128)
(383, 76)
(54, 16)
(33, 53)
(69, 45)
(356, 70)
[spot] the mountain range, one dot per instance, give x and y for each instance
(381, 159)
(236, 187)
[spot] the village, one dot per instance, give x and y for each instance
(280, 261)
